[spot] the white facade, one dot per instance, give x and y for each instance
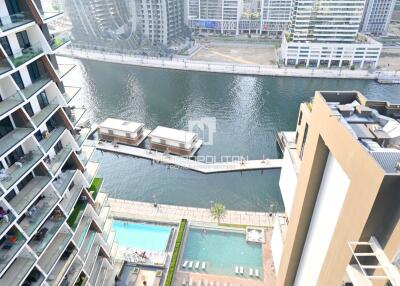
(377, 16)
(239, 16)
(45, 166)
(358, 54)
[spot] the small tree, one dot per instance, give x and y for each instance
(218, 211)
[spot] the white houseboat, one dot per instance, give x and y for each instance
(174, 141)
(121, 131)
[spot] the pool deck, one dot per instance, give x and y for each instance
(185, 163)
(134, 210)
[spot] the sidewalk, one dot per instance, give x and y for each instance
(168, 213)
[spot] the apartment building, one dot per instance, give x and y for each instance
(340, 182)
(239, 16)
(377, 16)
(321, 34)
(54, 227)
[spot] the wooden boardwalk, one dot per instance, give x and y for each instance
(185, 163)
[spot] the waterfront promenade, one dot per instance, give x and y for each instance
(180, 63)
(185, 163)
(168, 213)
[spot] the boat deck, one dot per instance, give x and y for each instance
(185, 163)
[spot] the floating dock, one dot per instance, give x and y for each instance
(185, 163)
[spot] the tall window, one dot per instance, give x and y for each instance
(23, 39)
(303, 143)
(5, 127)
(34, 72)
(6, 45)
(18, 80)
(42, 99)
(28, 109)
(13, 7)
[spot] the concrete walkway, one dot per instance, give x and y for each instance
(169, 213)
(205, 168)
(220, 67)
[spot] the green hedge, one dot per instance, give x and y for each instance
(175, 254)
(95, 187)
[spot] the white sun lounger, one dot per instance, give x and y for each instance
(184, 282)
(190, 281)
(236, 269)
(251, 272)
(190, 264)
(203, 265)
(241, 270)
(185, 264)
(257, 273)
(197, 264)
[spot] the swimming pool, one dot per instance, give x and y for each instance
(143, 236)
(222, 251)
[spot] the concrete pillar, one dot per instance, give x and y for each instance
(318, 63)
(329, 63)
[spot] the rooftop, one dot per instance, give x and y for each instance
(122, 125)
(375, 124)
(173, 134)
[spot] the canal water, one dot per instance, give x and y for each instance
(249, 111)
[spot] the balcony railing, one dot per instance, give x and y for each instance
(36, 86)
(5, 66)
(82, 136)
(4, 223)
(13, 138)
(63, 180)
(70, 93)
(58, 160)
(24, 55)
(64, 69)
(37, 213)
(91, 171)
(86, 154)
(20, 168)
(52, 138)
(75, 114)
(88, 244)
(14, 21)
(9, 248)
(59, 40)
(61, 268)
(54, 251)
(10, 102)
(82, 230)
(43, 114)
(29, 193)
(19, 269)
(68, 203)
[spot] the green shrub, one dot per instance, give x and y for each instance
(175, 254)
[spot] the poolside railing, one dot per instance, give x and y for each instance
(175, 254)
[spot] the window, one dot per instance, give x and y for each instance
(39, 136)
(51, 124)
(110, 132)
(42, 99)
(34, 72)
(303, 143)
(128, 135)
(18, 79)
(14, 156)
(162, 141)
(23, 39)
(25, 181)
(28, 109)
(6, 45)
(13, 7)
(58, 147)
(5, 127)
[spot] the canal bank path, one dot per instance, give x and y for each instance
(133, 210)
(222, 67)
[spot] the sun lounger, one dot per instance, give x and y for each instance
(241, 270)
(185, 264)
(251, 272)
(206, 283)
(197, 264)
(236, 269)
(190, 281)
(184, 282)
(203, 265)
(257, 273)
(190, 265)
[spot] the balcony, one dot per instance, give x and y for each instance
(29, 193)
(75, 114)
(88, 244)
(48, 10)
(13, 21)
(4, 223)
(44, 114)
(54, 251)
(19, 269)
(5, 66)
(59, 159)
(20, 168)
(51, 138)
(91, 171)
(37, 213)
(35, 278)
(59, 40)
(81, 135)
(63, 180)
(86, 153)
(10, 102)
(24, 55)
(96, 270)
(73, 273)
(13, 138)
(68, 203)
(47, 231)
(92, 258)
(64, 69)
(62, 267)
(82, 230)
(9, 247)
(36, 86)
(76, 215)
(70, 93)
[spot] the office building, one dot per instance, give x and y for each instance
(321, 35)
(377, 17)
(54, 224)
(340, 182)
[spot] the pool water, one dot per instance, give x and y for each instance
(222, 251)
(143, 236)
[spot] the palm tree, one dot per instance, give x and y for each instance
(218, 211)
